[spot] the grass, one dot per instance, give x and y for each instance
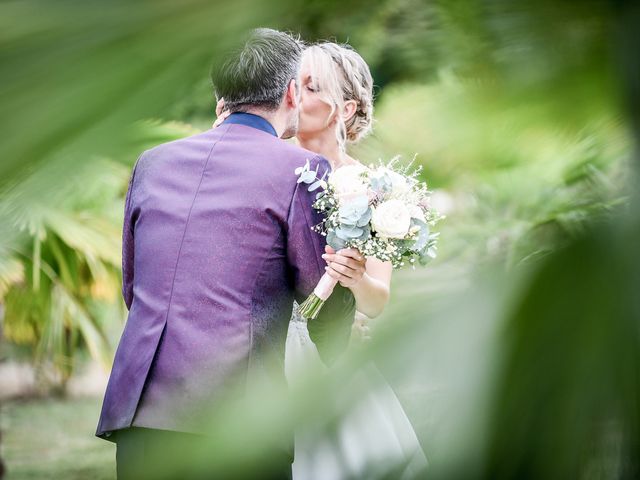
(54, 439)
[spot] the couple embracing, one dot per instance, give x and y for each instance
(218, 243)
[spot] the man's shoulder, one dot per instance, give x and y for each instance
(282, 154)
(285, 155)
(184, 143)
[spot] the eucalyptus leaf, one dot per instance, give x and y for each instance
(347, 220)
(424, 260)
(351, 212)
(423, 235)
(317, 184)
(334, 241)
(303, 172)
(307, 177)
(365, 219)
(348, 232)
(381, 184)
(366, 233)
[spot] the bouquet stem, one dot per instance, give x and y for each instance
(313, 304)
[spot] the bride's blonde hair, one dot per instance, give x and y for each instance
(341, 74)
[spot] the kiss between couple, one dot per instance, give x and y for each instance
(218, 243)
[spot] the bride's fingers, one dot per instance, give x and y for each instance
(341, 269)
(344, 270)
(342, 260)
(338, 276)
(352, 253)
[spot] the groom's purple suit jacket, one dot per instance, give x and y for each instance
(217, 242)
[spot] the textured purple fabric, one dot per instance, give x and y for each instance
(217, 241)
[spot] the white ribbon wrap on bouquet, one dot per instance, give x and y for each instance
(325, 287)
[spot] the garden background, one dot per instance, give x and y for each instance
(515, 353)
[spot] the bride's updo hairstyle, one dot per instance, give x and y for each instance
(340, 74)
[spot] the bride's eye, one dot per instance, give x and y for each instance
(312, 88)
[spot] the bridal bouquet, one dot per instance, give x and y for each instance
(383, 211)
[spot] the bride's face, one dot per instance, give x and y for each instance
(314, 112)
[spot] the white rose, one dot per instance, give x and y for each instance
(391, 219)
(347, 181)
(417, 213)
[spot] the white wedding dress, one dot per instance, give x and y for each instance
(374, 436)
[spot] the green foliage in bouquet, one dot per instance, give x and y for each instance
(382, 211)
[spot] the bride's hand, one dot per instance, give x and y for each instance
(347, 266)
(221, 113)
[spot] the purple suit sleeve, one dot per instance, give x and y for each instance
(305, 246)
(330, 331)
(127, 244)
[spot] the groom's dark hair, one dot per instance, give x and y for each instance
(258, 74)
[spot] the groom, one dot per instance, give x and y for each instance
(217, 243)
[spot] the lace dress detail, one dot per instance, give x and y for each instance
(295, 314)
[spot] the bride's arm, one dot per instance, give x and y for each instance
(372, 291)
(369, 283)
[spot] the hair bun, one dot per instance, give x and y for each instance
(359, 88)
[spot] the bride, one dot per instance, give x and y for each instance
(336, 109)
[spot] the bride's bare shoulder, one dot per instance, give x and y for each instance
(353, 161)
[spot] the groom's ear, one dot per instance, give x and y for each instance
(291, 97)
